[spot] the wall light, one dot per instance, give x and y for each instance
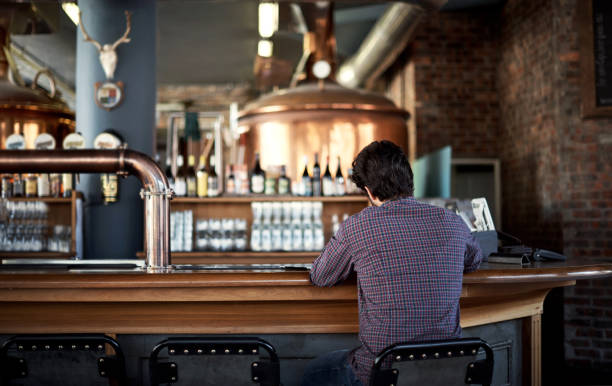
(72, 10)
(264, 48)
(268, 19)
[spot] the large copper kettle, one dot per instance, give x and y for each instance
(318, 115)
(30, 111)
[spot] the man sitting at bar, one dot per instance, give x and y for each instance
(409, 258)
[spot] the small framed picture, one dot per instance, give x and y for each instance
(108, 94)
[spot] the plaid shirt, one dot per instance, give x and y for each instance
(409, 258)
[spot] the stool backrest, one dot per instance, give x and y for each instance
(66, 359)
(220, 361)
(387, 365)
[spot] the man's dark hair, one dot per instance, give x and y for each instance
(383, 167)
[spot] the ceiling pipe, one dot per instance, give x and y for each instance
(387, 39)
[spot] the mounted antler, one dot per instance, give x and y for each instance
(124, 38)
(108, 56)
(86, 35)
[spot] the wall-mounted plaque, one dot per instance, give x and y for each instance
(595, 26)
(108, 94)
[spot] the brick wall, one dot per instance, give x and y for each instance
(546, 141)
(455, 100)
(586, 167)
(556, 166)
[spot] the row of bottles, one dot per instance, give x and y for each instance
(205, 182)
(42, 184)
(313, 184)
(37, 185)
(190, 182)
(286, 226)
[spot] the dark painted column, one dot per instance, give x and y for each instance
(116, 231)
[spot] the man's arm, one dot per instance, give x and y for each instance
(473, 254)
(333, 264)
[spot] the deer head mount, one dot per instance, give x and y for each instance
(108, 56)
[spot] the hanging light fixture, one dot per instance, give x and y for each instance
(268, 19)
(265, 48)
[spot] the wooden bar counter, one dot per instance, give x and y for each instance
(256, 302)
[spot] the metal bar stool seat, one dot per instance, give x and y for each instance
(478, 371)
(262, 372)
(16, 367)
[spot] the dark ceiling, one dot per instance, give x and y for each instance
(215, 42)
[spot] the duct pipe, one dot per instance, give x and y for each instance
(382, 45)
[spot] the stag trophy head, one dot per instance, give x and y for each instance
(108, 55)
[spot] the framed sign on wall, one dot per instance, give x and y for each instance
(595, 27)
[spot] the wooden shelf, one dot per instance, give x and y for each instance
(251, 198)
(36, 255)
(247, 257)
(50, 200)
(245, 254)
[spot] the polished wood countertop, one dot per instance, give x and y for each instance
(489, 273)
(246, 302)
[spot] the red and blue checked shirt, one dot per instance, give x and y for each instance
(409, 258)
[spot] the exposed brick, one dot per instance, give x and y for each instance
(601, 343)
(506, 83)
(589, 332)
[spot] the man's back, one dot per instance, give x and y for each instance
(409, 258)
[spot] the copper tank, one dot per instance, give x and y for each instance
(30, 111)
(319, 116)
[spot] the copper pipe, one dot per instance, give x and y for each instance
(155, 192)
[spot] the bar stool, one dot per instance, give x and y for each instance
(477, 372)
(14, 367)
(265, 373)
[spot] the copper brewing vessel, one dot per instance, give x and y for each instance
(318, 116)
(30, 111)
(323, 118)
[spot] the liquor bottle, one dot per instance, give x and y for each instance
(340, 187)
(55, 182)
(43, 185)
(7, 186)
(316, 176)
(18, 188)
(283, 182)
(213, 180)
(67, 184)
(169, 175)
(328, 181)
(306, 189)
(230, 188)
(202, 176)
(192, 182)
(180, 183)
(31, 185)
(258, 177)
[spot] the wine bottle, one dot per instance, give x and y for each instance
(231, 181)
(169, 174)
(7, 186)
(316, 177)
(43, 185)
(18, 188)
(258, 177)
(202, 176)
(180, 182)
(340, 186)
(67, 184)
(328, 181)
(283, 182)
(306, 188)
(213, 179)
(192, 185)
(31, 185)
